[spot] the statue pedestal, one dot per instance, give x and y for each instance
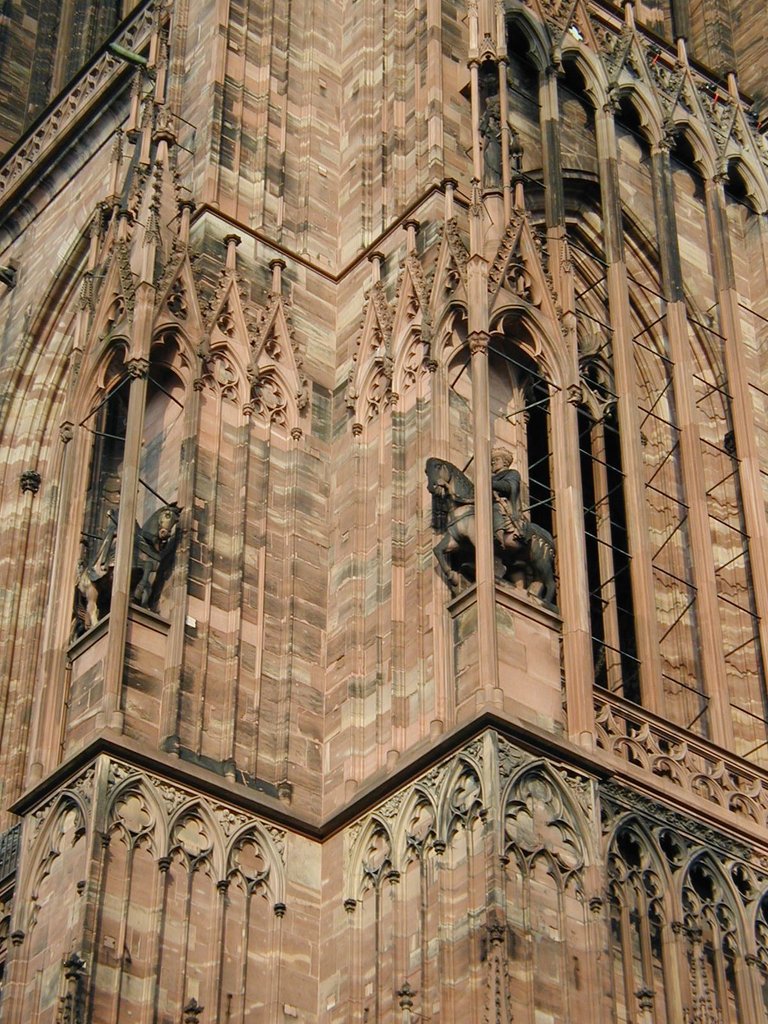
(86, 657)
(528, 640)
(144, 673)
(493, 200)
(143, 679)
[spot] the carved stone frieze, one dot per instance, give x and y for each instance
(510, 758)
(617, 799)
(682, 761)
(172, 797)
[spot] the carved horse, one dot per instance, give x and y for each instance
(153, 548)
(527, 553)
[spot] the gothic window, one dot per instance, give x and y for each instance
(417, 885)
(577, 121)
(158, 482)
(461, 887)
(460, 407)
(106, 425)
(376, 922)
(163, 430)
(712, 943)
(638, 917)
(247, 930)
(608, 560)
(519, 397)
(761, 943)
(543, 859)
(523, 91)
(49, 913)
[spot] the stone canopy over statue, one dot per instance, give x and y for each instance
(524, 552)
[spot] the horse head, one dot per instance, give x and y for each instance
(160, 529)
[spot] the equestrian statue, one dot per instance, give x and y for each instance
(524, 552)
(153, 548)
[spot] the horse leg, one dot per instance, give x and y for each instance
(514, 565)
(446, 546)
(548, 582)
(143, 588)
(90, 592)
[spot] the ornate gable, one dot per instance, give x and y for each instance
(278, 387)
(520, 270)
(369, 386)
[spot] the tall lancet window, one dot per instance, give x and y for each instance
(605, 525)
(163, 429)
(519, 396)
(638, 914)
(106, 424)
(520, 422)
(157, 509)
(711, 924)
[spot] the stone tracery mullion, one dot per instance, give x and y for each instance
(123, 928)
(607, 569)
(645, 938)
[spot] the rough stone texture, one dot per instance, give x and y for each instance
(263, 280)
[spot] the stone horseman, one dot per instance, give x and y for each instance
(525, 552)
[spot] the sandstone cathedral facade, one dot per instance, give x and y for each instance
(384, 418)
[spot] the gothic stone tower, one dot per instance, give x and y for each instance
(265, 754)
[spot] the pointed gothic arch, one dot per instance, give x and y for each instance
(742, 166)
(371, 858)
(149, 817)
(461, 798)
(206, 839)
(642, 912)
(416, 826)
(637, 106)
(592, 69)
(714, 941)
(274, 866)
(537, 39)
